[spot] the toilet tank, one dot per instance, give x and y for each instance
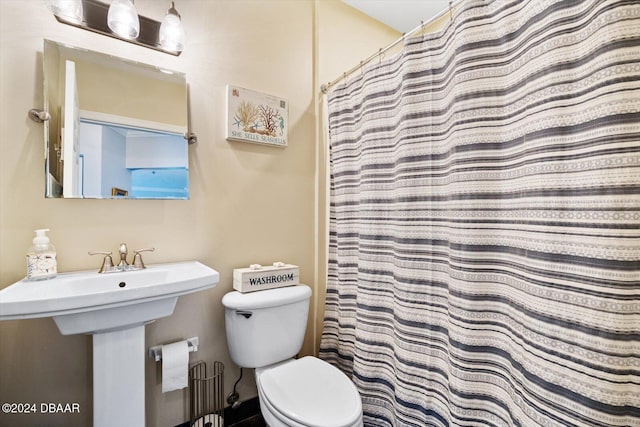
(266, 327)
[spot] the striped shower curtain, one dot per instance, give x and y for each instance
(484, 253)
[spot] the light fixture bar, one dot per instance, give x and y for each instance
(95, 19)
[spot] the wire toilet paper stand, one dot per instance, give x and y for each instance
(206, 394)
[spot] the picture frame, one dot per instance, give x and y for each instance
(119, 192)
(256, 117)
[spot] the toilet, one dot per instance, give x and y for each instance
(265, 330)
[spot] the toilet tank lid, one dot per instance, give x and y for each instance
(267, 298)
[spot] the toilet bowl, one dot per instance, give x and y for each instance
(265, 330)
(308, 392)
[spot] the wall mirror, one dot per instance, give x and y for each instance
(117, 127)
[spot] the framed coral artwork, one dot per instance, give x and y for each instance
(256, 117)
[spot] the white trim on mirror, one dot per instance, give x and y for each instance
(130, 122)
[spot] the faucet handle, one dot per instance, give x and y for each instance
(107, 262)
(137, 258)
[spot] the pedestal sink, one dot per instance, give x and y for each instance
(114, 308)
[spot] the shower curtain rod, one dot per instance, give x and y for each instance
(325, 87)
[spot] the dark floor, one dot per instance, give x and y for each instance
(246, 415)
(254, 421)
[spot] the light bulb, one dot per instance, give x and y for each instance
(123, 19)
(171, 31)
(67, 10)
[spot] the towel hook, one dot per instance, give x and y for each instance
(39, 116)
(191, 137)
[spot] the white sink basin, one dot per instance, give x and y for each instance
(90, 302)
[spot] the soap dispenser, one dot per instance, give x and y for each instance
(41, 258)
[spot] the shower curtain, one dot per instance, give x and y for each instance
(484, 230)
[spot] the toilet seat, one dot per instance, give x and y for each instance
(310, 392)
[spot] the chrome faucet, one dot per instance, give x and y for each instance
(123, 264)
(107, 263)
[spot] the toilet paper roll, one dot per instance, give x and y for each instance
(175, 366)
(210, 420)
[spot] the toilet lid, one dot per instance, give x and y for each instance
(312, 392)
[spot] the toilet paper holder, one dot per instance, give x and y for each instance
(155, 352)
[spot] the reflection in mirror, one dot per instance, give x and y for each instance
(117, 127)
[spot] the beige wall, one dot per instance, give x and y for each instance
(249, 203)
(114, 91)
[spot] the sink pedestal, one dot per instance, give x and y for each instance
(118, 378)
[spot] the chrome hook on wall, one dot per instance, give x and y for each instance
(39, 116)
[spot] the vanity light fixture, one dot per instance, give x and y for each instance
(171, 30)
(123, 20)
(119, 19)
(68, 10)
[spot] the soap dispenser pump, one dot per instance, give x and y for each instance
(41, 258)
